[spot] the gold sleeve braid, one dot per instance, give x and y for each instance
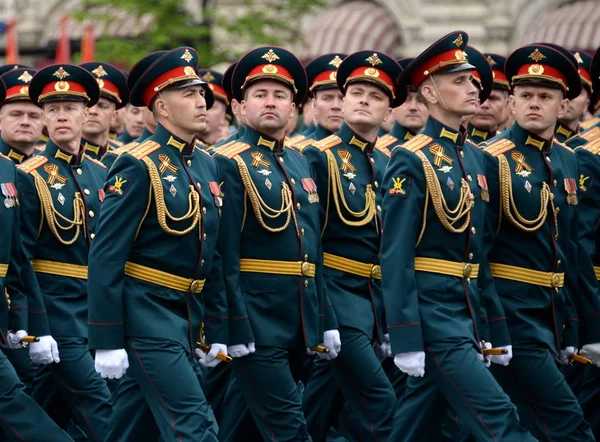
(509, 208)
(53, 216)
(261, 208)
(448, 217)
(367, 214)
(161, 207)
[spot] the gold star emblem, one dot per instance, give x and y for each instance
(187, 56)
(208, 77)
(374, 59)
(25, 77)
(99, 71)
(537, 55)
(459, 41)
(336, 61)
(270, 56)
(578, 58)
(61, 73)
(491, 61)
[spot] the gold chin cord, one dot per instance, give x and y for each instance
(509, 207)
(161, 207)
(369, 211)
(260, 208)
(448, 217)
(54, 217)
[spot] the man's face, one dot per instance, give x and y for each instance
(537, 108)
(64, 120)
(134, 120)
(576, 107)
(327, 106)
(215, 120)
(21, 123)
(491, 112)
(119, 124)
(412, 114)
(365, 106)
(184, 108)
(236, 109)
(453, 91)
(100, 118)
(268, 106)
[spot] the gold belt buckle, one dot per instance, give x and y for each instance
(196, 286)
(305, 269)
(467, 270)
(555, 280)
(376, 272)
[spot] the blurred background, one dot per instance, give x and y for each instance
(40, 32)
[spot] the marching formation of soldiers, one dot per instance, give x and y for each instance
(419, 263)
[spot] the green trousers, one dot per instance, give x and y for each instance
(21, 419)
(23, 365)
(160, 390)
(588, 395)
(546, 405)
(357, 379)
(455, 377)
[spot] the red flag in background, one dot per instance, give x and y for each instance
(88, 43)
(63, 46)
(12, 48)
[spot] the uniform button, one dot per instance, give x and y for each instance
(204, 236)
(298, 205)
(376, 184)
(305, 257)
(548, 159)
(305, 283)
(79, 171)
(201, 262)
(559, 262)
(302, 231)
(204, 210)
(281, 159)
(293, 181)
(92, 235)
(555, 183)
(473, 230)
(189, 162)
(557, 209)
(373, 160)
(462, 154)
(379, 208)
(199, 185)
(470, 256)
(86, 191)
(469, 177)
(91, 213)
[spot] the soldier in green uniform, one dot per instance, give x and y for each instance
(235, 109)
(490, 113)
(134, 124)
(534, 259)
(270, 246)
(62, 192)
(349, 170)
(326, 98)
(113, 96)
(215, 116)
(432, 260)
(147, 272)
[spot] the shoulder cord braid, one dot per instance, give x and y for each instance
(367, 214)
(509, 208)
(53, 216)
(161, 208)
(261, 208)
(446, 215)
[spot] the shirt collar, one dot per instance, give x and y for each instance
(478, 134)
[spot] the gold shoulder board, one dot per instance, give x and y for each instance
(224, 146)
(32, 163)
(304, 144)
(235, 149)
(386, 141)
(591, 134)
(593, 146)
(384, 150)
(589, 123)
(295, 139)
(328, 143)
(144, 149)
(417, 143)
(93, 160)
(116, 144)
(564, 146)
(499, 147)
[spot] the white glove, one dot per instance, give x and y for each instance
(332, 341)
(411, 363)
(503, 359)
(210, 359)
(241, 350)
(564, 355)
(45, 351)
(13, 340)
(384, 349)
(592, 352)
(112, 364)
(486, 360)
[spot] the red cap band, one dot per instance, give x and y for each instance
(432, 65)
(545, 72)
(168, 78)
(374, 75)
